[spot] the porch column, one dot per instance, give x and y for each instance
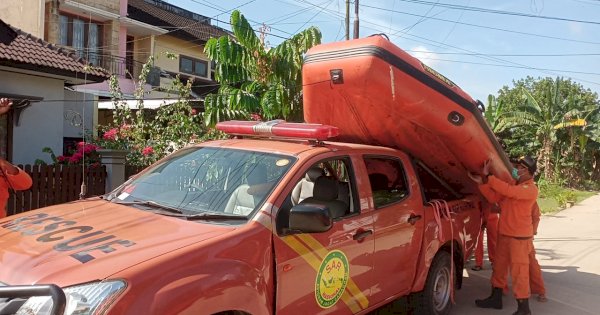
(114, 160)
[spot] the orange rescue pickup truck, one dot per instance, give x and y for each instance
(277, 220)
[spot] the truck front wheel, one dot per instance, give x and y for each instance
(435, 299)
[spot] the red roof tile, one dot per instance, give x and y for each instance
(29, 52)
(148, 13)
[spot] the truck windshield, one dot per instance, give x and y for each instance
(203, 180)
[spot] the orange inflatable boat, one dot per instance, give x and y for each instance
(378, 94)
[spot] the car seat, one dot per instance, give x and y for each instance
(326, 193)
(304, 188)
(246, 197)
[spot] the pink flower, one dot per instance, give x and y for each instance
(111, 134)
(75, 158)
(125, 127)
(147, 151)
(194, 112)
(80, 144)
(89, 148)
(61, 158)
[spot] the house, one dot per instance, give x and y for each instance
(39, 77)
(119, 36)
(188, 32)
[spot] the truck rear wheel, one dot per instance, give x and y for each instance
(435, 299)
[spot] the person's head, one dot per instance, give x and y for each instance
(525, 168)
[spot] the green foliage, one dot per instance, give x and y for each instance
(555, 120)
(565, 197)
(255, 78)
(148, 135)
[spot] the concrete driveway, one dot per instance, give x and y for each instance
(568, 249)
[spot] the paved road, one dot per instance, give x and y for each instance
(568, 249)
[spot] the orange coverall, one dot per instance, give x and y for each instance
(19, 181)
(491, 230)
(536, 282)
(515, 232)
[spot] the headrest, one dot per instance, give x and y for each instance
(257, 174)
(378, 181)
(313, 173)
(326, 189)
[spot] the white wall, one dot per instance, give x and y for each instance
(27, 15)
(41, 124)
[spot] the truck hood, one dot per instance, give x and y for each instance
(89, 240)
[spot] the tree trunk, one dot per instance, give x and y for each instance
(546, 156)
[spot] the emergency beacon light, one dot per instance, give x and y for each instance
(278, 128)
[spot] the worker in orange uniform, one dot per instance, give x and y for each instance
(11, 177)
(515, 231)
(536, 282)
(490, 225)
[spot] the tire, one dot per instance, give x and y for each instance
(435, 299)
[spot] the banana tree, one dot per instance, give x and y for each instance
(255, 78)
(541, 116)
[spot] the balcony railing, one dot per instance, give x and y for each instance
(124, 67)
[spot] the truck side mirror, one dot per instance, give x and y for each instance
(310, 218)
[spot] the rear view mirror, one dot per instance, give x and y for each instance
(310, 218)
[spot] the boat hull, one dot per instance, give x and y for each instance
(376, 93)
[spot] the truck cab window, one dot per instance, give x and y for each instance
(433, 187)
(328, 182)
(387, 179)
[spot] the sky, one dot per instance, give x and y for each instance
(480, 45)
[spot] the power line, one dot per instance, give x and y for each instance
(509, 66)
(484, 26)
(476, 54)
(507, 55)
(483, 10)
(324, 8)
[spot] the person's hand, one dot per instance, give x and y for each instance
(475, 177)
(7, 167)
(486, 167)
(5, 105)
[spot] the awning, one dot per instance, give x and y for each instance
(127, 86)
(133, 104)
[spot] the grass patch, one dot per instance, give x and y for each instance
(554, 199)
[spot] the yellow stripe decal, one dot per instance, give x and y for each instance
(352, 295)
(321, 251)
(315, 261)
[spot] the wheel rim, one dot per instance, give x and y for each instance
(441, 289)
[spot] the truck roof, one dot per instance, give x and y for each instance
(290, 146)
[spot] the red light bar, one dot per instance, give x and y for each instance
(278, 128)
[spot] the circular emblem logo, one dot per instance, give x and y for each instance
(331, 279)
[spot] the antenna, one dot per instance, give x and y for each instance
(83, 189)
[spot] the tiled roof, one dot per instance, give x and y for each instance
(31, 53)
(191, 29)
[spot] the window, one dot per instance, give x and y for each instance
(83, 36)
(193, 66)
(433, 186)
(387, 179)
(210, 180)
(329, 182)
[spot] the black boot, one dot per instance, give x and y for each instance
(493, 301)
(523, 307)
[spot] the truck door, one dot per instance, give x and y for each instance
(328, 272)
(398, 224)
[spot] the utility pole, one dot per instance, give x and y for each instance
(347, 19)
(355, 19)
